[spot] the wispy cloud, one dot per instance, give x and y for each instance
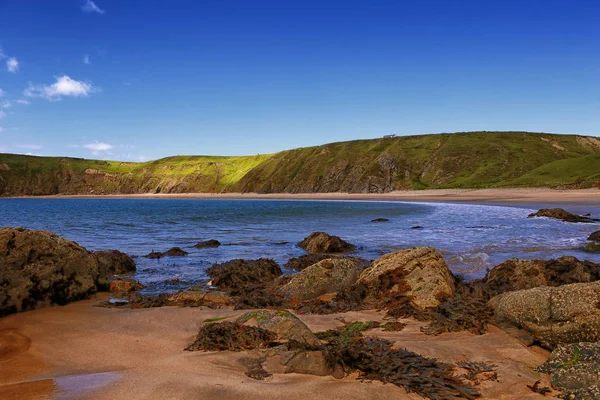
(86, 59)
(12, 64)
(90, 7)
(21, 101)
(1, 129)
(98, 146)
(2, 114)
(29, 146)
(6, 104)
(1, 93)
(63, 87)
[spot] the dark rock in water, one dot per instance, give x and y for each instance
(573, 369)
(172, 252)
(595, 237)
(39, 269)
(553, 315)
(559, 213)
(518, 274)
(417, 227)
(321, 242)
(231, 336)
(234, 275)
(592, 247)
(207, 243)
(299, 263)
(380, 220)
(326, 276)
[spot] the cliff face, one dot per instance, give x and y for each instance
(459, 160)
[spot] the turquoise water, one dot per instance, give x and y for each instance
(471, 237)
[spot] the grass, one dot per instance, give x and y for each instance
(458, 160)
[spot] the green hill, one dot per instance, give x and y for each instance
(458, 160)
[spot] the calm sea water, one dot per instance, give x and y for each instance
(471, 237)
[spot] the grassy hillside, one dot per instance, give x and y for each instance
(458, 160)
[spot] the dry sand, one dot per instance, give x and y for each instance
(525, 195)
(83, 352)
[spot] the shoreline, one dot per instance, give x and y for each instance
(520, 195)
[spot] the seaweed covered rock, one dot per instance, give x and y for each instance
(553, 315)
(207, 244)
(306, 260)
(231, 336)
(518, 274)
(321, 242)
(420, 273)
(39, 269)
(235, 275)
(327, 276)
(559, 213)
(282, 323)
(573, 369)
(113, 262)
(594, 236)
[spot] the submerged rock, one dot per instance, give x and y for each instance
(592, 247)
(233, 276)
(207, 243)
(39, 269)
(574, 370)
(321, 242)
(282, 323)
(326, 276)
(420, 273)
(172, 252)
(559, 213)
(380, 220)
(553, 315)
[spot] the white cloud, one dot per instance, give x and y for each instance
(98, 146)
(7, 104)
(29, 146)
(24, 102)
(12, 64)
(63, 87)
(2, 114)
(86, 59)
(90, 7)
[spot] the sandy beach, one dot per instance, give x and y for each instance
(521, 195)
(84, 352)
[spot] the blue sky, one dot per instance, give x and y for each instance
(142, 79)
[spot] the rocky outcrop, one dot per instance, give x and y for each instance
(321, 242)
(518, 274)
(207, 244)
(574, 370)
(39, 269)
(326, 276)
(553, 315)
(282, 323)
(235, 275)
(420, 273)
(559, 213)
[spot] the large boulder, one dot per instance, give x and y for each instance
(518, 274)
(284, 324)
(327, 276)
(39, 269)
(559, 213)
(574, 370)
(553, 315)
(594, 236)
(235, 275)
(420, 273)
(321, 242)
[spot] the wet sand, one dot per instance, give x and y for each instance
(524, 195)
(83, 352)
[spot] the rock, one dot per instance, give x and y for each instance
(417, 227)
(553, 315)
(559, 213)
(308, 362)
(230, 336)
(594, 237)
(284, 324)
(197, 298)
(327, 276)
(124, 285)
(592, 247)
(172, 252)
(300, 263)
(422, 272)
(574, 370)
(518, 274)
(380, 220)
(321, 242)
(207, 243)
(113, 262)
(235, 275)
